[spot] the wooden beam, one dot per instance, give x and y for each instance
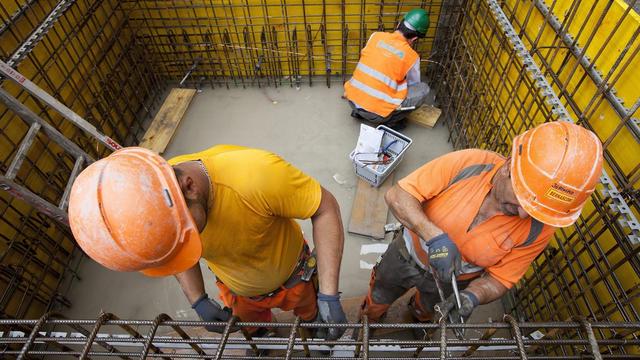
(369, 210)
(167, 120)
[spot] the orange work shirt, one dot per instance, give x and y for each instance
(451, 189)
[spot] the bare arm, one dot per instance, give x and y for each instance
(328, 238)
(487, 289)
(408, 210)
(192, 283)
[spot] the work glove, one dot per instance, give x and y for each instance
(209, 310)
(330, 312)
(468, 302)
(444, 257)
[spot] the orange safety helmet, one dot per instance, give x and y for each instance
(554, 168)
(127, 212)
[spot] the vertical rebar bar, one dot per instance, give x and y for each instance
(292, 338)
(517, 336)
(32, 336)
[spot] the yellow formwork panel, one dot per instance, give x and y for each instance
(606, 40)
(586, 268)
(69, 62)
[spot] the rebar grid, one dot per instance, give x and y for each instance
(489, 96)
(108, 60)
(50, 336)
(266, 42)
(84, 55)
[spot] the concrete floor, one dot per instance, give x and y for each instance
(310, 128)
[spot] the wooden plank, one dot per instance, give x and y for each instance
(369, 210)
(167, 120)
(425, 115)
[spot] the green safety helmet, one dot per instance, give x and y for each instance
(418, 20)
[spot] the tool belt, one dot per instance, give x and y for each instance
(304, 270)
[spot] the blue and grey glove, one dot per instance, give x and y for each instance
(444, 257)
(468, 302)
(209, 310)
(330, 312)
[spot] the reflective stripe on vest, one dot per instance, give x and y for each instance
(397, 52)
(381, 77)
(375, 93)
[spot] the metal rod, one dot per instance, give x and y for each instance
(517, 335)
(29, 342)
(488, 333)
(292, 338)
(608, 91)
(94, 332)
(365, 337)
(225, 337)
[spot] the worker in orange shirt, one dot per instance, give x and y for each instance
(236, 207)
(385, 86)
(483, 218)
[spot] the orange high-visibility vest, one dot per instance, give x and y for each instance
(379, 83)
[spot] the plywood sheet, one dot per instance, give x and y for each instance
(369, 211)
(167, 120)
(425, 115)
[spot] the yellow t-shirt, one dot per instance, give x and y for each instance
(251, 240)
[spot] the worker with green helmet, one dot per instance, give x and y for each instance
(386, 85)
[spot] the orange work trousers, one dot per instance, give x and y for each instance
(301, 298)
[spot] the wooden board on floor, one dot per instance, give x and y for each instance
(426, 116)
(369, 210)
(167, 120)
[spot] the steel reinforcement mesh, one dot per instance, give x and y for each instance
(109, 337)
(84, 54)
(495, 86)
(266, 42)
(499, 68)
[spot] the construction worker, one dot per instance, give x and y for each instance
(234, 206)
(483, 218)
(385, 86)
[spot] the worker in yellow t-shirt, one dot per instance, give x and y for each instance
(236, 207)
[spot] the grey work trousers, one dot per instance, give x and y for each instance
(394, 275)
(416, 97)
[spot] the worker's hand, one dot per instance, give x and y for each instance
(209, 310)
(468, 302)
(444, 257)
(330, 312)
